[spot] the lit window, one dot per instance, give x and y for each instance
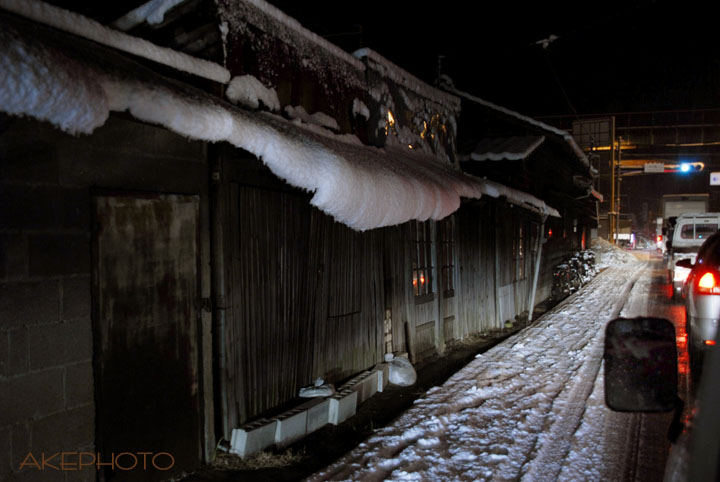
(422, 265)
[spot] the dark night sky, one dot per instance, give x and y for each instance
(609, 57)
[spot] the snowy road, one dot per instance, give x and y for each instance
(531, 408)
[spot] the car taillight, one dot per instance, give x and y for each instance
(708, 284)
(710, 342)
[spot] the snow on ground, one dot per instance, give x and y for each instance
(609, 255)
(517, 411)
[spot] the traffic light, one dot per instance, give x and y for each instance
(685, 167)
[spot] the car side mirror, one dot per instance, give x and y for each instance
(684, 263)
(641, 370)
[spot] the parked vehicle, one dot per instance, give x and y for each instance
(691, 231)
(701, 292)
(641, 375)
(674, 206)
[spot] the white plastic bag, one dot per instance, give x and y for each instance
(402, 372)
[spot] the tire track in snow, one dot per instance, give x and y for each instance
(511, 412)
(548, 460)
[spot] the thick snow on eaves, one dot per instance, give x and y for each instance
(90, 29)
(363, 187)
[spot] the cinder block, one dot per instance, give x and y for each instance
(58, 254)
(64, 431)
(291, 425)
(18, 359)
(79, 384)
(28, 303)
(28, 158)
(5, 452)
(253, 437)
(76, 298)
(383, 372)
(31, 396)
(20, 443)
(4, 353)
(30, 207)
(13, 255)
(365, 384)
(342, 406)
(318, 412)
(60, 343)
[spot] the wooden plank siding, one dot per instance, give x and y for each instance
(476, 260)
(308, 297)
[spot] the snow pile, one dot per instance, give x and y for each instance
(318, 118)
(318, 389)
(152, 12)
(359, 108)
(248, 91)
(607, 254)
(515, 412)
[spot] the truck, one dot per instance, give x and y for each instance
(674, 205)
(690, 232)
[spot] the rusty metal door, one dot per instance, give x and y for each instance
(145, 288)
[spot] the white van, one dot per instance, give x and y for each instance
(690, 232)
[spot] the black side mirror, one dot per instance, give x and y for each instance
(641, 372)
(684, 263)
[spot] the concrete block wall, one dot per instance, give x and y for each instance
(46, 377)
(46, 345)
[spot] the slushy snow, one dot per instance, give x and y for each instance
(531, 408)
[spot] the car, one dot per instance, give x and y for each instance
(701, 294)
(689, 233)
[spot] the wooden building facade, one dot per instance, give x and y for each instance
(201, 261)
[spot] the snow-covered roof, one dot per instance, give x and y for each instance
(529, 120)
(90, 29)
(505, 148)
(406, 79)
(361, 186)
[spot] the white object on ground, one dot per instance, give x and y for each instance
(402, 372)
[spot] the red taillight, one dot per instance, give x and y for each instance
(710, 342)
(659, 238)
(708, 284)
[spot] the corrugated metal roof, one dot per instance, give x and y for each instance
(506, 148)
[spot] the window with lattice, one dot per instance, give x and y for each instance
(422, 260)
(446, 240)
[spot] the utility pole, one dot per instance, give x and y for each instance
(619, 180)
(611, 214)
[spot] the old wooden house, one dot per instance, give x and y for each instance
(208, 207)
